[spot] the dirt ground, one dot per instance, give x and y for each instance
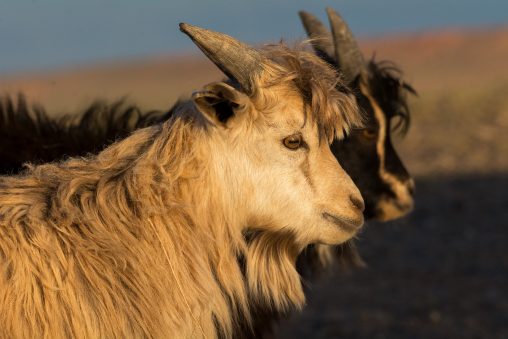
(442, 272)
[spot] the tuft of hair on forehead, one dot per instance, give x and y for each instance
(385, 80)
(332, 106)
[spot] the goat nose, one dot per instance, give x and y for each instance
(357, 202)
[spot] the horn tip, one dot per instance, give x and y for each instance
(303, 13)
(332, 12)
(329, 10)
(186, 28)
(306, 16)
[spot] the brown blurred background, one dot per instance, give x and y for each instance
(442, 272)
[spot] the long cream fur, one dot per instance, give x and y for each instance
(141, 241)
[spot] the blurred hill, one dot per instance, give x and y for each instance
(431, 61)
(447, 59)
(154, 83)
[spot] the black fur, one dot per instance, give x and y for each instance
(30, 135)
(357, 153)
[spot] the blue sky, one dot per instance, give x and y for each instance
(48, 34)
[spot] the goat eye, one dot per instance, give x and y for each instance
(369, 133)
(293, 142)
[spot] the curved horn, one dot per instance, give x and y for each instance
(322, 40)
(347, 53)
(237, 60)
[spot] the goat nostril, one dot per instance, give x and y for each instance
(411, 187)
(358, 203)
(411, 190)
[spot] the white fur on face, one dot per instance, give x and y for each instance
(304, 191)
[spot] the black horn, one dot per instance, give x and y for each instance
(321, 38)
(347, 53)
(237, 60)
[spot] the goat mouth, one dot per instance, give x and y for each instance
(349, 225)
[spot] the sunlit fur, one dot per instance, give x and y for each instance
(102, 123)
(143, 239)
(28, 134)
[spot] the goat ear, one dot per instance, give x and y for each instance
(220, 102)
